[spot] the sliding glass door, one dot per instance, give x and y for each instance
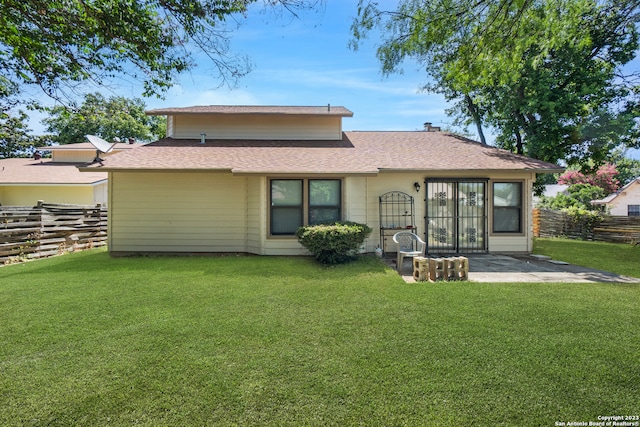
(456, 220)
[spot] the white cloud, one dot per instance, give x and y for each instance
(356, 79)
(180, 96)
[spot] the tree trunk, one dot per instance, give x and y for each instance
(473, 110)
(519, 147)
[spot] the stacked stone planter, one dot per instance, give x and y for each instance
(433, 269)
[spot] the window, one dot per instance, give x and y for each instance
(633, 210)
(293, 200)
(286, 205)
(507, 207)
(324, 200)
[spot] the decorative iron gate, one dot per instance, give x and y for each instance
(456, 219)
(396, 213)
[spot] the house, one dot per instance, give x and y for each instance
(243, 178)
(551, 190)
(625, 202)
(24, 181)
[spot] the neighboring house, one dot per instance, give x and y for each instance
(625, 202)
(56, 180)
(551, 190)
(243, 179)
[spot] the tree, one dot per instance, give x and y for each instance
(108, 118)
(56, 44)
(583, 188)
(604, 178)
(545, 74)
(579, 197)
(15, 138)
(628, 168)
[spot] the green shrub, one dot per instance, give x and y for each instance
(579, 197)
(335, 243)
(583, 221)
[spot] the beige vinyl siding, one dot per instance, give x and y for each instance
(177, 212)
(355, 208)
(403, 181)
(522, 242)
(78, 156)
(261, 127)
(170, 127)
(73, 156)
(392, 181)
(284, 246)
(509, 244)
(256, 214)
(101, 193)
(29, 195)
(219, 212)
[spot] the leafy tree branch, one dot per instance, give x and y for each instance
(57, 44)
(544, 74)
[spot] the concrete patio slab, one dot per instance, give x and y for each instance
(525, 268)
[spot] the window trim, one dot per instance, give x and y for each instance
(271, 206)
(305, 201)
(308, 204)
(520, 208)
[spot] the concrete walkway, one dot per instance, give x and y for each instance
(525, 268)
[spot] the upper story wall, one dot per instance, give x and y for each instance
(254, 127)
(82, 152)
(73, 156)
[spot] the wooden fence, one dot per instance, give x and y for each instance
(50, 229)
(618, 229)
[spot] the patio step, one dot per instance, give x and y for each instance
(541, 257)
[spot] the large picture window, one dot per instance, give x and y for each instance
(507, 207)
(297, 202)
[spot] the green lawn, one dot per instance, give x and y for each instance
(618, 258)
(88, 340)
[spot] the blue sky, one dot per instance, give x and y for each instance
(304, 61)
(307, 61)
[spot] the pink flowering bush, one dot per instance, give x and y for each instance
(604, 177)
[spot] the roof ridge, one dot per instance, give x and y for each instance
(335, 110)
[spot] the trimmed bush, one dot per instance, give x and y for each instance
(335, 243)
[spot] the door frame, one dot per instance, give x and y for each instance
(448, 215)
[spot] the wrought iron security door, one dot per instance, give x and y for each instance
(456, 219)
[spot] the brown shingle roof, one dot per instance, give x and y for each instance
(356, 153)
(326, 110)
(45, 172)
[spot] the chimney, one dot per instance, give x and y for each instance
(429, 128)
(202, 137)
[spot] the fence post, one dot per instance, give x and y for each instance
(536, 222)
